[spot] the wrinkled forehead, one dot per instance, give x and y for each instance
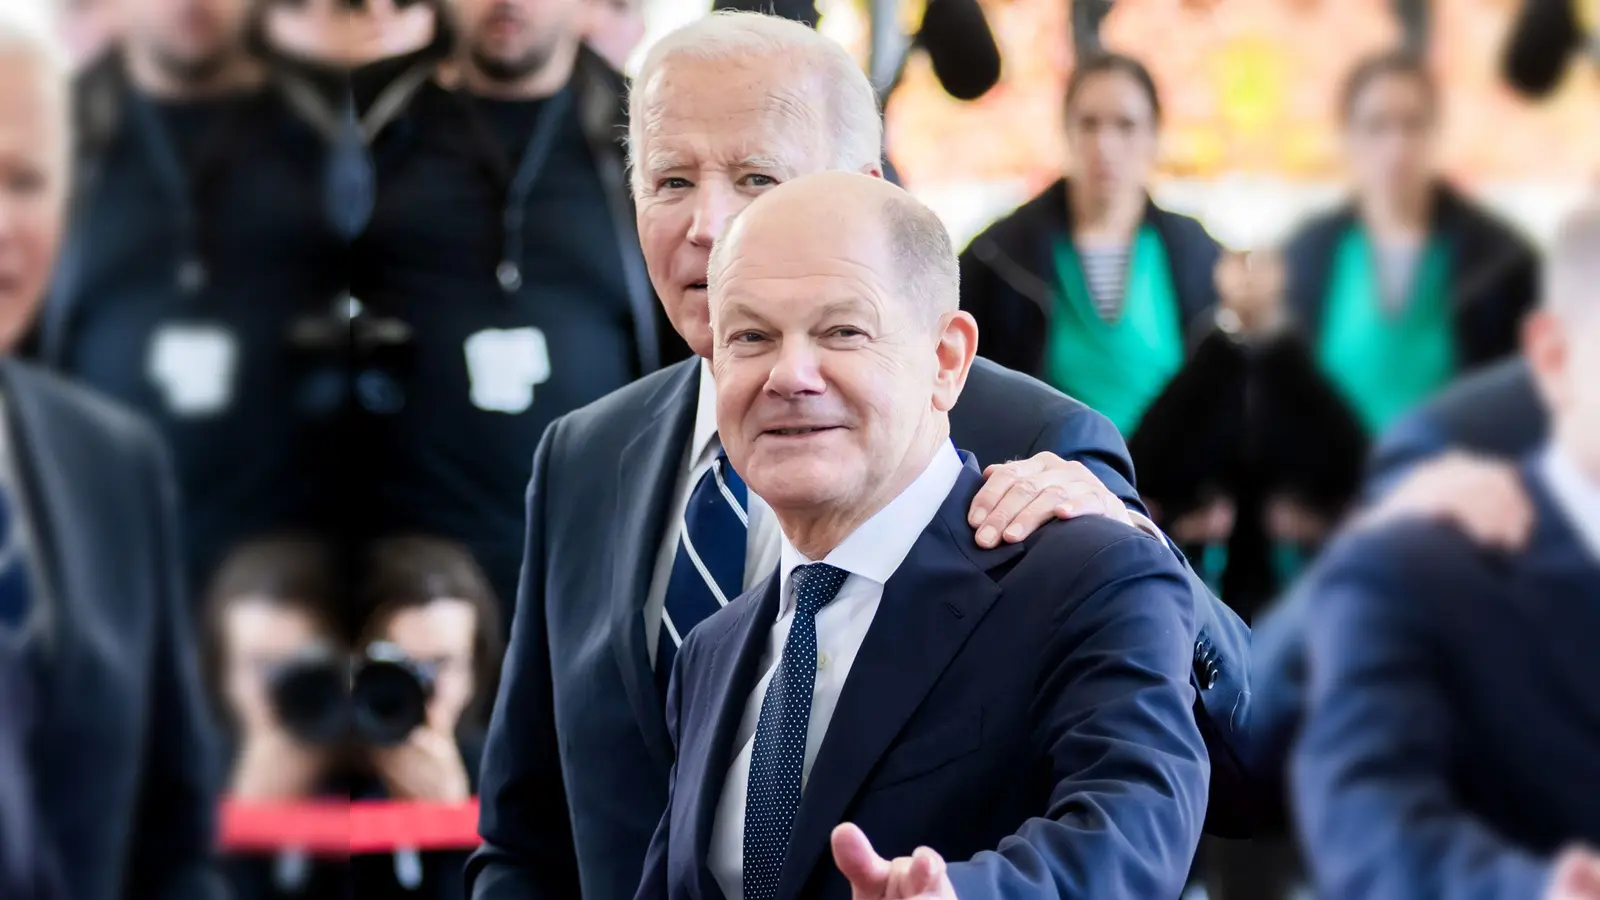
(705, 113)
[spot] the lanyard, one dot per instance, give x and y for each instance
(516, 186)
(181, 189)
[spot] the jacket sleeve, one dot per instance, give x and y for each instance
(1371, 774)
(1129, 767)
(1082, 435)
(653, 884)
(528, 850)
(174, 841)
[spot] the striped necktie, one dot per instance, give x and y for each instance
(709, 568)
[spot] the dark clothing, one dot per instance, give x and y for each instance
(1010, 284)
(1544, 39)
(1495, 412)
(28, 868)
(1071, 649)
(578, 756)
(1422, 772)
(1494, 275)
(122, 752)
(1250, 423)
(209, 362)
(449, 416)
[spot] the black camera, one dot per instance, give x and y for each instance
(379, 697)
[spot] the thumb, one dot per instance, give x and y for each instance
(867, 872)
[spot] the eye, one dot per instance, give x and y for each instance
(756, 179)
(847, 331)
(673, 184)
(747, 337)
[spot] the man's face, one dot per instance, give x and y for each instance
(826, 378)
(191, 40)
(333, 33)
(1565, 355)
(714, 136)
(33, 188)
(511, 39)
(1389, 137)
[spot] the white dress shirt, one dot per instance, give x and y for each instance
(761, 542)
(871, 554)
(1576, 494)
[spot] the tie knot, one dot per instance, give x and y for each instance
(815, 586)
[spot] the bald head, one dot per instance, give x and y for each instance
(829, 210)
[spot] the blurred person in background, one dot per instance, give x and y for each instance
(1090, 286)
(504, 241)
(275, 602)
(428, 605)
(1409, 284)
(92, 591)
(613, 28)
(1420, 772)
(197, 244)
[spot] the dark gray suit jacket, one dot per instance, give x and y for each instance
(575, 770)
(121, 748)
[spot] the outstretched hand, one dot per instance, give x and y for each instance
(920, 876)
(1019, 497)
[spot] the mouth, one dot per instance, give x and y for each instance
(801, 431)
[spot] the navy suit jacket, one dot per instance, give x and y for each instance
(121, 750)
(1452, 744)
(1025, 711)
(575, 768)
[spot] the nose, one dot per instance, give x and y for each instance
(714, 204)
(797, 371)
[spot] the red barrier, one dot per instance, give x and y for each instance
(339, 828)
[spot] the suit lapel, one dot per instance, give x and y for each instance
(1558, 584)
(45, 496)
(735, 665)
(930, 607)
(646, 482)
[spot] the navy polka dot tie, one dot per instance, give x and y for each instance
(779, 755)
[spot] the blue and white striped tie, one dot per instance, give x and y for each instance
(709, 568)
(16, 592)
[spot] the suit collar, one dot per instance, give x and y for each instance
(1575, 495)
(42, 494)
(930, 607)
(647, 477)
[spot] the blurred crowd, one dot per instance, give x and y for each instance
(299, 295)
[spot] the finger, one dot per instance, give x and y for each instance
(1020, 493)
(867, 872)
(1030, 518)
(997, 480)
(927, 871)
(1092, 500)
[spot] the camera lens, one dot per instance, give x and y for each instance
(308, 694)
(391, 695)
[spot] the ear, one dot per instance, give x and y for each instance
(874, 170)
(1545, 346)
(958, 344)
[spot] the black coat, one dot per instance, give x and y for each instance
(1009, 280)
(1494, 275)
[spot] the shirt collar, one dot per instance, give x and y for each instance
(877, 548)
(1576, 494)
(705, 417)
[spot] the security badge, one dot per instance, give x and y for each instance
(504, 366)
(194, 366)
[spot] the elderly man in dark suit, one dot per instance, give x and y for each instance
(1024, 711)
(91, 588)
(1422, 772)
(576, 764)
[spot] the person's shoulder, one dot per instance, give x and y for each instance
(1407, 559)
(1318, 228)
(1026, 219)
(79, 411)
(614, 420)
(1004, 388)
(1100, 547)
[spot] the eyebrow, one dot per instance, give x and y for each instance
(666, 160)
(737, 307)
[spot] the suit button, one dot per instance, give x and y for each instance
(822, 661)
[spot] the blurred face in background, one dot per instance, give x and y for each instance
(33, 186)
(188, 40)
(1111, 135)
(508, 40)
(443, 634)
(613, 28)
(1390, 135)
(258, 635)
(335, 33)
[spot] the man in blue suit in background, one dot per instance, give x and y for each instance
(576, 763)
(1452, 741)
(1025, 710)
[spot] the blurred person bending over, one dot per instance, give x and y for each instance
(814, 697)
(1091, 286)
(630, 497)
(91, 588)
(504, 240)
(197, 245)
(1409, 284)
(1421, 772)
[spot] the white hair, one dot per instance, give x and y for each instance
(28, 30)
(848, 105)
